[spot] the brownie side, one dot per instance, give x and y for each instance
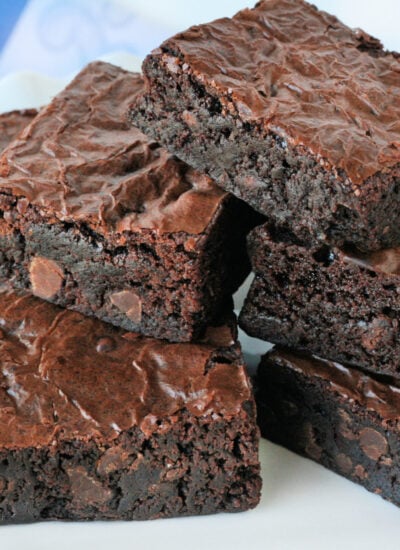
(98, 218)
(168, 285)
(97, 423)
(179, 471)
(324, 411)
(223, 124)
(324, 300)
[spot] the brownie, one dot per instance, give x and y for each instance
(12, 123)
(98, 218)
(100, 423)
(337, 303)
(340, 417)
(290, 110)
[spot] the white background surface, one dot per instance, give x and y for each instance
(303, 507)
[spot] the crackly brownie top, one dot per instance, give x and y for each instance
(66, 375)
(354, 385)
(12, 123)
(80, 160)
(305, 76)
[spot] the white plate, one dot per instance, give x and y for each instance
(303, 506)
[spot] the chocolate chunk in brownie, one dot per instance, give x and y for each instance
(337, 303)
(100, 219)
(290, 110)
(342, 418)
(99, 423)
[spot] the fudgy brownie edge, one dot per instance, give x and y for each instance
(341, 418)
(335, 303)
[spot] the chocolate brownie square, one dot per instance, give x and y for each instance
(98, 423)
(98, 218)
(290, 110)
(344, 419)
(337, 303)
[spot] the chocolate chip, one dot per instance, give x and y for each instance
(360, 472)
(377, 333)
(344, 463)
(373, 443)
(189, 118)
(311, 447)
(345, 425)
(175, 473)
(46, 277)
(85, 489)
(111, 460)
(129, 303)
(105, 344)
(386, 460)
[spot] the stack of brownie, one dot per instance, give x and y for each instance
(123, 388)
(131, 400)
(298, 115)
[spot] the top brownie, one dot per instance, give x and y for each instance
(100, 219)
(80, 161)
(290, 110)
(12, 123)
